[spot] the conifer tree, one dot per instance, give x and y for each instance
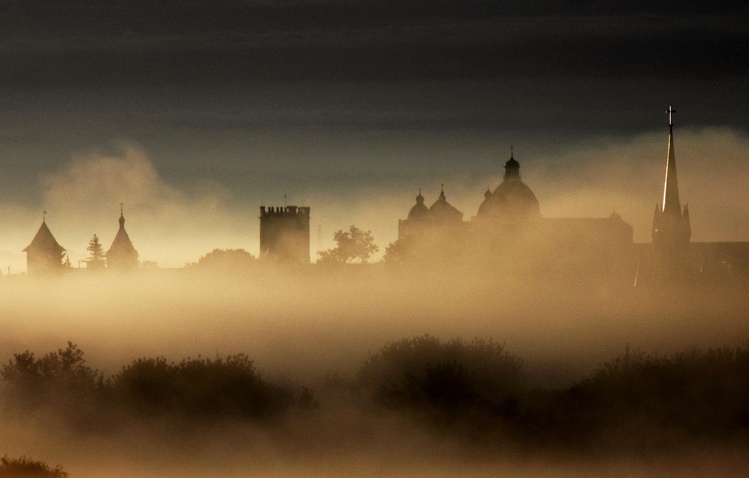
(96, 254)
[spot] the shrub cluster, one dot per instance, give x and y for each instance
(60, 377)
(25, 467)
(700, 392)
(632, 401)
(446, 377)
(635, 401)
(222, 387)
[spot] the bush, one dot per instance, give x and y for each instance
(57, 378)
(698, 392)
(227, 261)
(452, 376)
(229, 386)
(25, 467)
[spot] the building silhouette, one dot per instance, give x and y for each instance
(509, 234)
(284, 234)
(672, 258)
(44, 256)
(512, 199)
(671, 226)
(122, 256)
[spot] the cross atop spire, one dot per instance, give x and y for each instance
(44, 216)
(122, 216)
(670, 112)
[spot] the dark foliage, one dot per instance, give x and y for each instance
(635, 402)
(645, 403)
(472, 389)
(226, 261)
(452, 376)
(354, 245)
(25, 467)
(698, 392)
(58, 378)
(201, 387)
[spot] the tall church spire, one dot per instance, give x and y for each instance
(671, 228)
(671, 204)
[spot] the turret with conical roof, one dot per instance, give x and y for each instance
(122, 256)
(44, 255)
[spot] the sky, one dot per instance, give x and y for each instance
(194, 113)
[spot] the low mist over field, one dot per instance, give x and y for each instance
(312, 331)
(309, 323)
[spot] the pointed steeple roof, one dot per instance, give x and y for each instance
(671, 228)
(671, 202)
(441, 209)
(122, 253)
(44, 240)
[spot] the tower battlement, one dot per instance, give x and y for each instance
(284, 234)
(283, 211)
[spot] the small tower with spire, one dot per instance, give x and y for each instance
(122, 256)
(44, 256)
(671, 228)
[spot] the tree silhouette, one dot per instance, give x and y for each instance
(199, 387)
(397, 252)
(352, 245)
(226, 260)
(60, 377)
(26, 467)
(96, 257)
(425, 372)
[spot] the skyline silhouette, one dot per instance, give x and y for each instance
(350, 107)
(483, 215)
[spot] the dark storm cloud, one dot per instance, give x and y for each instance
(231, 42)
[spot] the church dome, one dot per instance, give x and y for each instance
(512, 198)
(419, 210)
(442, 210)
(485, 206)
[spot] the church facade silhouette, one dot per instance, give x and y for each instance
(510, 235)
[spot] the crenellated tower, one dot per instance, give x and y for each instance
(284, 234)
